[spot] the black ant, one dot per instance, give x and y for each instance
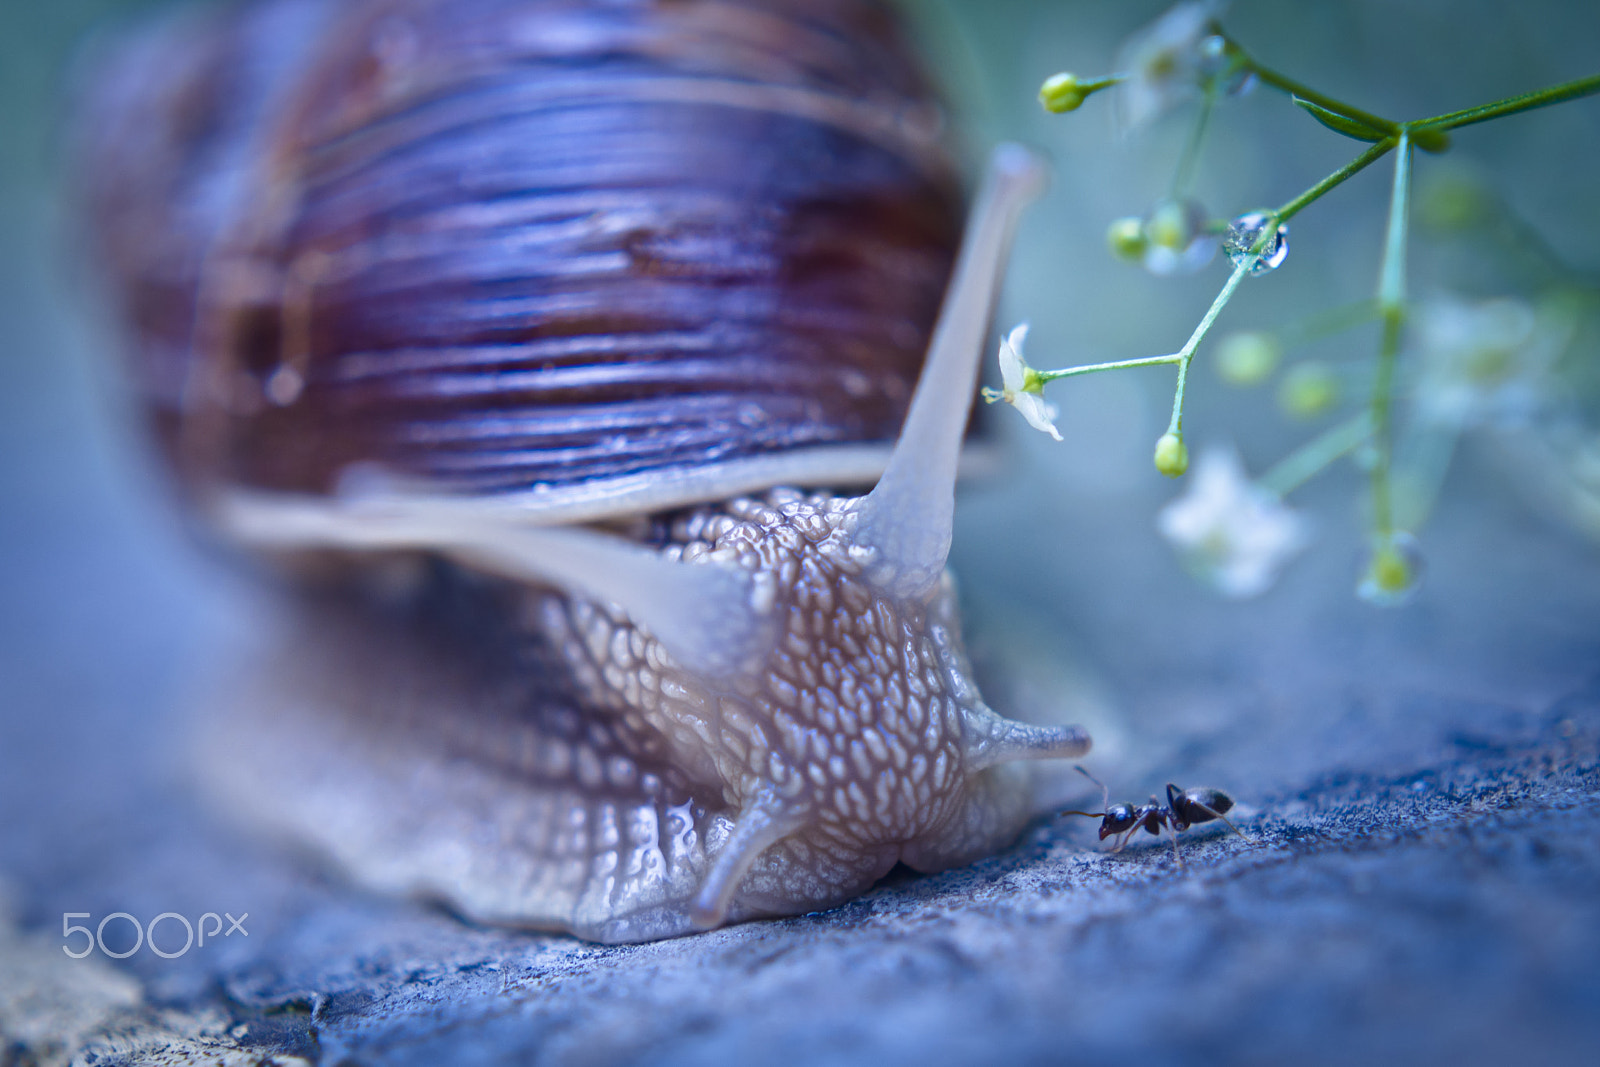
(1184, 808)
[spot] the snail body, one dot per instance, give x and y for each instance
(393, 345)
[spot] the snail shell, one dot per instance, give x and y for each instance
(419, 286)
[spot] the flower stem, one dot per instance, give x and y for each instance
(1322, 188)
(1555, 94)
(1392, 279)
(1184, 177)
(1092, 368)
(1328, 322)
(1313, 457)
(1422, 458)
(1391, 301)
(1288, 85)
(1186, 355)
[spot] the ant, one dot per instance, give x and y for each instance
(1184, 808)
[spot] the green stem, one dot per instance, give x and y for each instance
(1383, 432)
(1321, 189)
(1328, 322)
(1392, 279)
(1422, 458)
(1095, 85)
(1186, 355)
(1391, 299)
(1184, 176)
(1045, 376)
(1313, 457)
(1555, 94)
(1288, 85)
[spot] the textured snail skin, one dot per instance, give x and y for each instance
(599, 797)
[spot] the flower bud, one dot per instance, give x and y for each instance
(1308, 390)
(1061, 93)
(1171, 225)
(1390, 572)
(1172, 455)
(1176, 238)
(1248, 357)
(1125, 237)
(1394, 572)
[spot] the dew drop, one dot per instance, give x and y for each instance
(1245, 231)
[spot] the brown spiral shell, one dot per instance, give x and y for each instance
(496, 246)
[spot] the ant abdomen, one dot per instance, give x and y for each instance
(1193, 806)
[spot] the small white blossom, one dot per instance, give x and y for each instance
(1165, 63)
(1231, 534)
(1487, 362)
(1014, 375)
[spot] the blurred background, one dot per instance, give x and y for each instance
(109, 619)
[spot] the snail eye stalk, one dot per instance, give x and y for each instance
(907, 518)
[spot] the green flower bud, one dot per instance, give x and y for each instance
(1126, 239)
(1061, 93)
(1390, 572)
(1434, 141)
(1170, 226)
(1248, 357)
(1172, 455)
(1308, 390)
(1394, 572)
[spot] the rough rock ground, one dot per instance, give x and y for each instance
(1416, 881)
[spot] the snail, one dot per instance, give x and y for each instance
(541, 341)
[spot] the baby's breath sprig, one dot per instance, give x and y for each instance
(1186, 55)
(1065, 92)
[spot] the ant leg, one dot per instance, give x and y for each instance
(1176, 853)
(1218, 815)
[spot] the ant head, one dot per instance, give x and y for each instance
(1119, 819)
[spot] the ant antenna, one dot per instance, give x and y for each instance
(1105, 796)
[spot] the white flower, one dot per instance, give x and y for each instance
(1014, 373)
(1165, 63)
(1231, 534)
(1487, 362)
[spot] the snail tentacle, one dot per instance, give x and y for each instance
(907, 518)
(712, 616)
(763, 822)
(994, 740)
